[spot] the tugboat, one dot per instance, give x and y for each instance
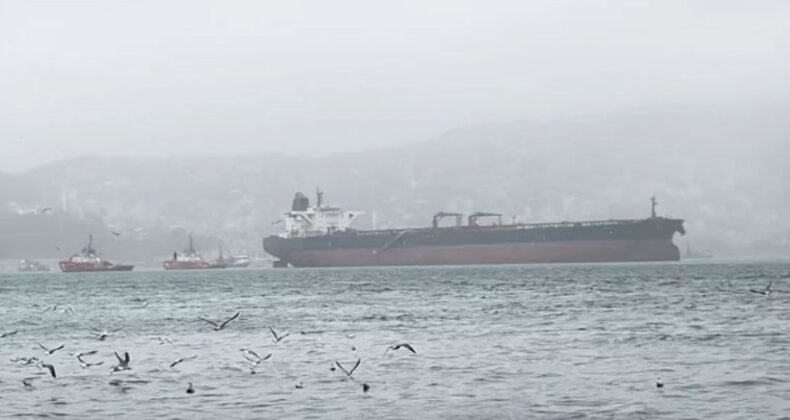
(89, 260)
(192, 260)
(30, 266)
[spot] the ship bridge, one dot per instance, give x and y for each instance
(305, 220)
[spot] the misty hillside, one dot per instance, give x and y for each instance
(726, 174)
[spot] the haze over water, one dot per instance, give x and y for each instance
(570, 341)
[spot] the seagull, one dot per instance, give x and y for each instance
(123, 363)
(46, 210)
(162, 340)
(765, 292)
(659, 384)
(218, 326)
(85, 364)
(50, 351)
(277, 338)
(26, 382)
(349, 372)
(102, 335)
(8, 334)
(365, 388)
(116, 233)
(300, 385)
(406, 346)
(85, 353)
(25, 361)
(253, 357)
(50, 367)
(190, 389)
(182, 359)
(68, 310)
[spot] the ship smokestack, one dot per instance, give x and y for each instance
(300, 203)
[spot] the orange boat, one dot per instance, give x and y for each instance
(89, 260)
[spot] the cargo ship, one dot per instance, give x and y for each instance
(322, 236)
(189, 259)
(90, 260)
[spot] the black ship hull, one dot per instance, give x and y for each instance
(604, 241)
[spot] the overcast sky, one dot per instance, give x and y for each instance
(316, 77)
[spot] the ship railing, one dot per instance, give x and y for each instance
(517, 226)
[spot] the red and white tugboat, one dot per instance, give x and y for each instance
(90, 260)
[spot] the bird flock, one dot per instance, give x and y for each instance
(251, 359)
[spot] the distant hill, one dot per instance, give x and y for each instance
(726, 173)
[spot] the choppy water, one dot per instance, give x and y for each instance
(547, 342)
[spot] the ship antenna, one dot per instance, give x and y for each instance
(653, 204)
(191, 248)
(319, 197)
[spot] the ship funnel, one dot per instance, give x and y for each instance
(300, 203)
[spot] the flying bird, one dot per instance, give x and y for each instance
(50, 367)
(349, 372)
(84, 353)
(86, 365)
(123, 362)
(102, 335)
(765, 292)
(252, 357)
(25, 361)
(278, 338)
(162, 340)
(406, 346)
(8, 334)
(46, 210)
(50, 351)
(217, 326)
(116, 233)
(26, 382)
(182, 359)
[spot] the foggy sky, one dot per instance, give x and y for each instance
(318, 77)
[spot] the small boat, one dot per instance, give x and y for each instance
(189, 259)
(90, 260)
(234, 261)
(31, 266)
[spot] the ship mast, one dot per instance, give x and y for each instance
(319, 197)
(653, 204)
(90, 245)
